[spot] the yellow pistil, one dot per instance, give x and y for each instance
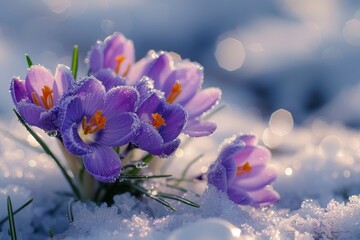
(96, 123)
(158, 120)
(46, 98)
(175, 92)
(246, 168)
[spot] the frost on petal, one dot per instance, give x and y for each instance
(199, 128)
(217, 177)
(121, 99)
(71, 112)
(103, 164)
(30, 113)
(37, 77)
(18, 90)
(63, 81)
(120, 129)
(202, 102)
(92, 93)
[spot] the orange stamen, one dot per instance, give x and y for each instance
(119, 59)
(46, 98)
(158, 120)
(175, 92)
(96, 123)
(246, 168)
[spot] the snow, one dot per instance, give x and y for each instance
(318, 168)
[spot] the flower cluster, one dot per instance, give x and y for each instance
(127, 104)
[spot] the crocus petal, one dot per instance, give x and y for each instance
(169, 148)
(238, 196)
(202, 102)
(149, 139)
(117, 45)
(92, 93)
(109, 79)
(145, 87)
(139, 70)
(18, 90)
(121, 99)
(217, 177)
(71, 112)
(36, 78)
(96, 57)
(73, 142)
(190, 79)
(264, 197)
(149, 106)
(160, 70)
(63, 81)
(119, 130)
(199, 128)
(257, 182)
(30, 112)
(254, 155)
(103, 164)
(249, 140)
(175, 118)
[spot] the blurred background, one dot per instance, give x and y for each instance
(299, 56)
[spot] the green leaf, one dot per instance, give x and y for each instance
(29, 62)
(51, 234)
(178, 198)
(12, 227)
(75, 61)
(49, 152)
(145, 160)
(131, 177)
(16, 211)
(153, 196)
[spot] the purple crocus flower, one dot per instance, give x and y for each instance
(111, 60)
(181, 82)
(161, 122)
(37, 97)
(240, 170)
(94, 121)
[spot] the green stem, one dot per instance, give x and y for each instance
(145, 160)
(75, 61)
(29, 62)
(12, 228)
(16, 211)
(48, 151)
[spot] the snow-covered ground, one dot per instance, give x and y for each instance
(318, 168)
